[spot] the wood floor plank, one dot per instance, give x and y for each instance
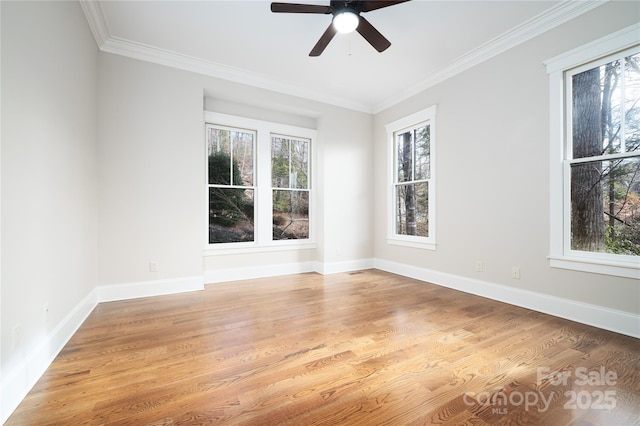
(344, 349)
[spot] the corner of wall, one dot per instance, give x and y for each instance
(23, 376)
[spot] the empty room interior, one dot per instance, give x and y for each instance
(236, 212)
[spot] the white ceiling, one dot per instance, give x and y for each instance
(244, 41)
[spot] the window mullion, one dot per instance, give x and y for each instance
(623, 145)
(290, 168)
(264, 199)
(568, 133)
(413, 155)
(231, 182)
(617, 156)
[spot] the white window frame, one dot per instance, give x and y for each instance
(263, 202)
(561, 255)
(426, 116)
(234, 186)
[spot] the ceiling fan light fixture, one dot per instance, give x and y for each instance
(346, 18)
(346, 22)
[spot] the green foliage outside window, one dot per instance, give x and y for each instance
(227, 206)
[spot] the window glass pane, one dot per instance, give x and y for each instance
(290, 215)
(279, 162)
(220, 144)
(632, 103)
(605, 206)
(219, 156)
(404, 157)
(243, 158)
(218, 140)
(423, 153)
(412, 205)
(586, 109)
(605, 108)
(230, 215)
(220, 169)
(299, 164)
(611, 108)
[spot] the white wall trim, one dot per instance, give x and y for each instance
(214, 276)
(22, 377)
(540, 24)
(125, 291)
(344, 266)
(95, 18)
(619, 40)
(546, 21)
(596, 316)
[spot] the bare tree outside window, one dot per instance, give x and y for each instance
(413, 172)
(290, 183)
(230, 181)
(605, 157)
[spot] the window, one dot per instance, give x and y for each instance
(595, 173)
(259, 184)
(230, 154)
(290, 186)
(412, 180)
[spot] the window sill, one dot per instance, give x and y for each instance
(618, 269)
(285, 245)
(412, 243)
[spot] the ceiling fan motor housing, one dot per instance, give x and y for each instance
(352, 6)
(338, 8)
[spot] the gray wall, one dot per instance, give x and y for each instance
(493, 170)
(49, 172)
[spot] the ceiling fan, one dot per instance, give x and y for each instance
(346, 18)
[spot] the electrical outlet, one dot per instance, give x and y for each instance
(15, 336)
(479, 267)
(515, 272)
(154, 266)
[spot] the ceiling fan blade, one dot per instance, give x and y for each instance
(322, 44)
(373, 36)
(369, 5)
(300, 8)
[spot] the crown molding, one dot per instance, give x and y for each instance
(557, 15)
(119, 46)
(549, 19)
(172, 59)
(95, 18)
(620, 40)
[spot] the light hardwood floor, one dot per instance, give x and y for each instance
(363, 348)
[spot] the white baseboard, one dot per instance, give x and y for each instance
(344, 266)
(110, 293)
(252, 272)
(21, 378)
(609, 319)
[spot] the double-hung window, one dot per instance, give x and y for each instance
(411, 198)
(259, 184)
(290, 186)
(595, 157)
(231, 178)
